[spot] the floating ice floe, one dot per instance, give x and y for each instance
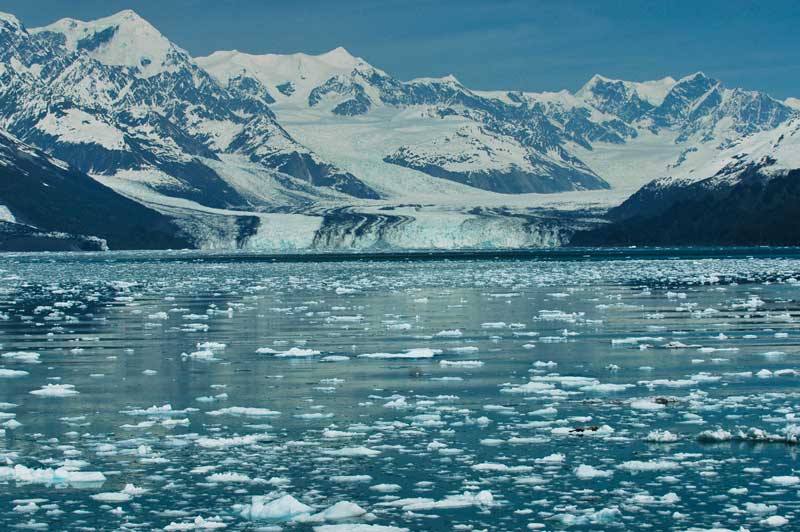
(483, 499)
(62, 475)
(334, 358)
(344, 319)
(605, 388)
(450, 333)
(386, 488)
(27, 357)
(281, 508)
(199, 523)
(419, 352)
(774, 521)
(12, 373)
(358, 528)
(661, 436)
(647, 499)
(228, 477)
(637, 466)
(339, 512)
(204, 354)
(493, 467)
(158, 411)
(789, 434)
(293, 352)
(353, 452)
(784, 480)
(528, 387)
(461, 363)
(114, 497)
(213, 346)
(56, 390)
(555, 458)
(244, 411)
(760, 508)
(646, 404)
(233, 441)
(590, 517)
(350, 479)
(587, 472)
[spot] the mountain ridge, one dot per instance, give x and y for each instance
(271, 134)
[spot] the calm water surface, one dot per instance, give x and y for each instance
(199, 393)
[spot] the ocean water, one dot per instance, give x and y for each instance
(175, 391)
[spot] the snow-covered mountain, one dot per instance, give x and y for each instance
(327, 150)
(433, 126)
(749, 195)
(115, 98)
(501, 141)
(46, 204)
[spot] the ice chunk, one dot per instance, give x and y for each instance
(340, 511)
(481, 499)
(56, 390)
(27, 357)
(212, 523)
(111, 497)
(420, 352)
(711, 436)
(646, 404)
(284, 508)
(351, 452)
(775, 521)
(358, 528)
(235, 441)
(227, 477)
(784, 480)
(555, 458)
(12, 373)
(661, 436)
(636, 466)
(61, 475)
(587, 472)
(461, 363)
(244, 411)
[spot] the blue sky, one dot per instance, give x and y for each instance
(502, 44)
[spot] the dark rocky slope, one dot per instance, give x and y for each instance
(48, 195)
(757, 209)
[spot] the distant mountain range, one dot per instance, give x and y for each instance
(302, 151)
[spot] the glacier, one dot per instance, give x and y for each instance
(300, 151)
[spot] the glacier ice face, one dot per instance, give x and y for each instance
(410, 228)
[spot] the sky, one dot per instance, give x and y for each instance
(530, 45)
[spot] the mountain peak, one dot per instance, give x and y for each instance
(448, 79)
(121, 39)
(340, 57)
(697, 76)
(129, 17)
(129, 14)
(339, 51)
(599, 77)
(589, 86)
(652, 91)
(9, 22)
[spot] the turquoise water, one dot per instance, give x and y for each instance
(636, 390)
